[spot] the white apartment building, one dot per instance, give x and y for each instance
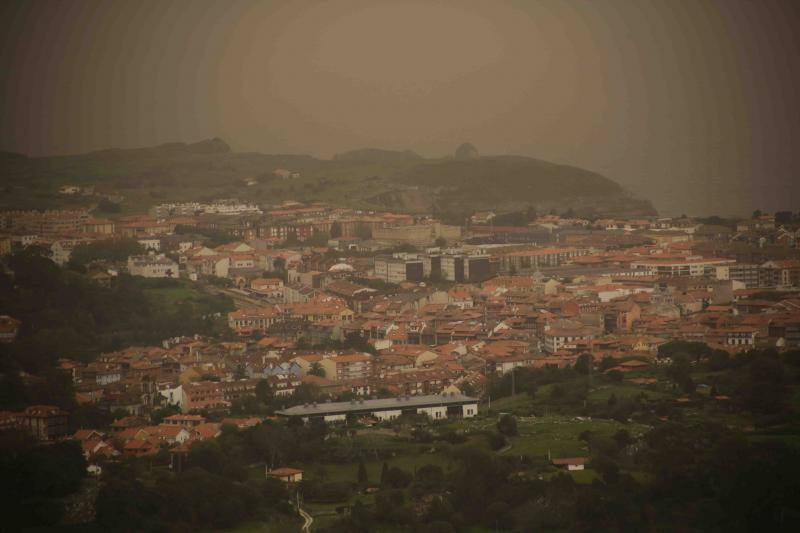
(152, 266)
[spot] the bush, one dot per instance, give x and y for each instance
(507, 425)
(396, 478)
(495, 440)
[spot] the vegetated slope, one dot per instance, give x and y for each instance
(368, 178)
(507, 183)
(509, 177)
(377, 155)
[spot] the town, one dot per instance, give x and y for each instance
(381, 333)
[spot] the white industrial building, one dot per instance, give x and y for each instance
(436, 406)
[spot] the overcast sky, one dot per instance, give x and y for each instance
(693, 104)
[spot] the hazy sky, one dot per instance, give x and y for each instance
(694, 104)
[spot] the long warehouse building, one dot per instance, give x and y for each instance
(436, 406)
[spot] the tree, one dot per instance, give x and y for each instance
(765, 390)
(783, 217)
(607, 468)
(158, 415)
(757, 213)
(623, 438)
(429, 476)
(507, 425)
(583, 365)
(498, 515)
(264, 392)
(362, 473)
(440, 242)
(719, 360)
(36, 478)
(336, 229)
(108, 206)
(126, 504)
(384, 474)
(206, 454)
(693, 350)
(33, 269)
(680, 372)
(607, 363)
(397, 478)
(316, 369)
(495, 440)
(115, 250)
(363, 231)
(615, 375)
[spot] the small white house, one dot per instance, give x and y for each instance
(286, 474)
(571, 463)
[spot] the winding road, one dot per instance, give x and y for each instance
(308, 520)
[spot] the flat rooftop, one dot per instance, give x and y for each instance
(383, 404)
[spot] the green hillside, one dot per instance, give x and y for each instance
(368, 179)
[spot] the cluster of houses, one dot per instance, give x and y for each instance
(389, 332)
(136, 436)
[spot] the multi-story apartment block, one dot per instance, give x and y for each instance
(344, 367)
(556, 339)
(746, 273)
(463, 268)
(254, 318)
(398, 268)
(52, 222)
(781, 273)
(215, 394)
(526, 260)
(220, 207)
(689, 266)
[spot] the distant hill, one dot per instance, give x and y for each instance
(206, 147)
(466, 151)
(369, 178)
(376, 155)
(510, 176)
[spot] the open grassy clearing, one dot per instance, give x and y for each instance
(348, 472)
(558, 435)
(171, 296)
(626, 390)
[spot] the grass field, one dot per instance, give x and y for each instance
(171, 296)
(558, 435)
(349, 471)
(624, 390)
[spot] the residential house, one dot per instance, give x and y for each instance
(45, 422)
